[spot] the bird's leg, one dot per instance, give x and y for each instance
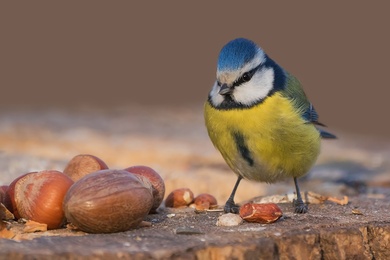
(230, 206)
(300, 207)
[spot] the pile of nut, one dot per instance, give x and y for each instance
(263, 213)
(89, 195)
(184, 197)
(96, 199)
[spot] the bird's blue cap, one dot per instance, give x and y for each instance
(236, 53)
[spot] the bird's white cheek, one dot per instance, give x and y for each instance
(256, 89)
(216, 98)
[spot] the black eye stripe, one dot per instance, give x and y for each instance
(247, 76)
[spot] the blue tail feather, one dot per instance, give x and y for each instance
(326, 135)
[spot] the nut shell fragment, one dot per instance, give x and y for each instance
(229, 220)
(5, 214)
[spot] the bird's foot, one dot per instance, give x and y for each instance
(231, 207)
(300, 207)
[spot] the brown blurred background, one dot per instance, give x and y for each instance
(115, 53)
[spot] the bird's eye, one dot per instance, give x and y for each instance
(246, 77)
(218, 83)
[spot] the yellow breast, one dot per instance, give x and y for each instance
(267, 142)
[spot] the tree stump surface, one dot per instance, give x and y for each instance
(175, 143)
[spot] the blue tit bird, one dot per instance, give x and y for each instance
(259, 118)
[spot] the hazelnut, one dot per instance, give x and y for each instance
(9, 197)
(147, 174)
(2, 211)
(83, 164)
(3, 190)
(205, 201)
(107, 201)
(179, 198)
(39, 196)
(260, 213)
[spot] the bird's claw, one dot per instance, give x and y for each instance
(231, 207)
(300, 207)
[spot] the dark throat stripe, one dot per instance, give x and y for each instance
(242, 148)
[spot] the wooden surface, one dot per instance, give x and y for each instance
(174, 142)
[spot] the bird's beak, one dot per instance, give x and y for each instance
(225, 90)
